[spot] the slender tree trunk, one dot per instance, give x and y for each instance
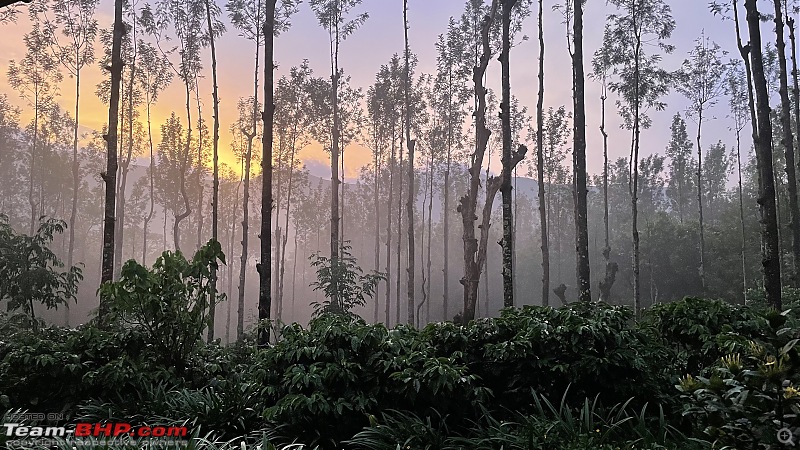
(335, 160)
(516, 219)
(411, 191)
(744, 53)
(126, 163)
(200, 166)
(399, 229)
(151, 176)
(787, 140)
(795, 83)
(240, 300)
(770, 254)
(76, 182)
(505, 186)
(579, 159)
(278, 190)
(423, 274)
(446, 212)
(486, 280)
(611, 268)
(230, 231)
(540, 169)
(278, 267)
(634, 181)
(741, 214)
(110, 175)
(279, 308)
(246, 195)
(264, 268)
(700, 202)
(184, 163)
(245, 244)
(282, 240)
(430, 239)
(215, 188)
(31, 197)
(342, 208)
(389, 232)
(294, 273)
(376, 202)
(164, 231)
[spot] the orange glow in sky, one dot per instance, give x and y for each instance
(372, 45)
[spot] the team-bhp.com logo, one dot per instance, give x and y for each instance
(93, 430)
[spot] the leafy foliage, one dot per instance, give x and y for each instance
(170, 303)
(54, 369)
(343, 282)
(751, 392)
(30, 270)
(491, 383)
(702, 329)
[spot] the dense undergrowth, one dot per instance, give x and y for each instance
(692, 374)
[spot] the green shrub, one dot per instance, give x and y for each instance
(170, 302)
(323, 383)
(31, 272)
(703, 329)
(343, 283)
(595, 348)
(751, 392)
(56, 368)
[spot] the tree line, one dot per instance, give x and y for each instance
(643, 230)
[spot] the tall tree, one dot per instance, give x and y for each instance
(474, 248)
(332, 15)
(738, 103)
(377, 110)
(787, 140)
(272, 27)
(264, 267)
(389, 76)
(556, 177)
(215, 28)
(795, 75)
(745, 100)
(76, 20)
(186, 19)
(291, 119)
(248, 17)
(540, 167)
(579, 157)
(35, 77)
(762, 140)
(110, 175)
(640, 84)
(129, 101)
(473, 259)
(505, 186)
(154, 75)
(381, 112)
(450, 78)
(171, 152)
(411, 143)
(601, 64)
(702, 81)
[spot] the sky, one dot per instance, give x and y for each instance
(374, 43)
